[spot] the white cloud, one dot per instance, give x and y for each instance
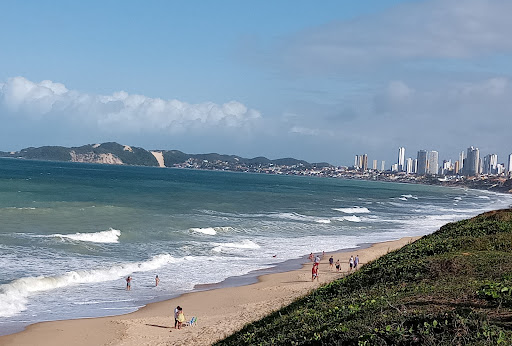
(438, 29)
(119, 112)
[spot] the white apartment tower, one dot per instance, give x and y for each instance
(401, 159)
(409, 166)
(433, 162)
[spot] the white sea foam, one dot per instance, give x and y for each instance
(300, 217)
(208, 230)
(351, 218)
(109, 236)
(14, 295)
(354, 210)
(244, 244)
(211, 230)
(410, 196)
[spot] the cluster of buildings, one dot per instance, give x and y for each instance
(469, 163)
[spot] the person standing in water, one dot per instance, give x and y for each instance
(128, 283)
(157, 281)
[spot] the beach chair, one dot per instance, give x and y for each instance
(190, 323)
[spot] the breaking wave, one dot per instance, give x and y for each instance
(14, 295)
(244, 244)
(354, 210)
(109, 236)
(210, 230)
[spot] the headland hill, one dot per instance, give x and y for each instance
(118, 154)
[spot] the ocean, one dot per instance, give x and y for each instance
(70, 233)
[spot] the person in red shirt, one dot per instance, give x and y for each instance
(314, 272)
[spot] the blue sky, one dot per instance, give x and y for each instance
(320, 82)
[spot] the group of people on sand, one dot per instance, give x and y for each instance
(316, 262)
(129, 282)
(353, 263)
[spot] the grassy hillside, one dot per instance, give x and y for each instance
(452, 287)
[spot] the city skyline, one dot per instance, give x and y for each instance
(427, 162)
(317, 82)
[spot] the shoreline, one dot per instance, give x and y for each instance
(221, 308)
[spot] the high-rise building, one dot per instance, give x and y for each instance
(394, 167)
(490, 165)
(383, 165)
(374, 166)
(433, 162)
(415, 166)
(510, 163)
(472, 163)
(365, 163)
(446, 168)
(422, 162)
(461, 160)
(456, 167)
(401, 159)
(408, 166)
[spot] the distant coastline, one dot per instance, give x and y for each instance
(117, 154)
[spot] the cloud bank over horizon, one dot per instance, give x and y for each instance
(122, 111)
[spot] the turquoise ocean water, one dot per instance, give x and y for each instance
(70, 233)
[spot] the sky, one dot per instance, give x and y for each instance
(318, 81)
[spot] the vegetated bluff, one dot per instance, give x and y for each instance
(114, 153)
(453, 287)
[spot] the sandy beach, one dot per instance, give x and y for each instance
(219, 312)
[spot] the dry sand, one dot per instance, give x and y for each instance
(220, 312)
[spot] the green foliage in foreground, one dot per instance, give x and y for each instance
(453, 287)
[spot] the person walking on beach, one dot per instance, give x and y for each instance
(157, 280)
(128, 283)
(317, 259)
(337, 265)
(351, 262)
(176, 311)
(314, 272)
(331, 262)
(356, 262)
